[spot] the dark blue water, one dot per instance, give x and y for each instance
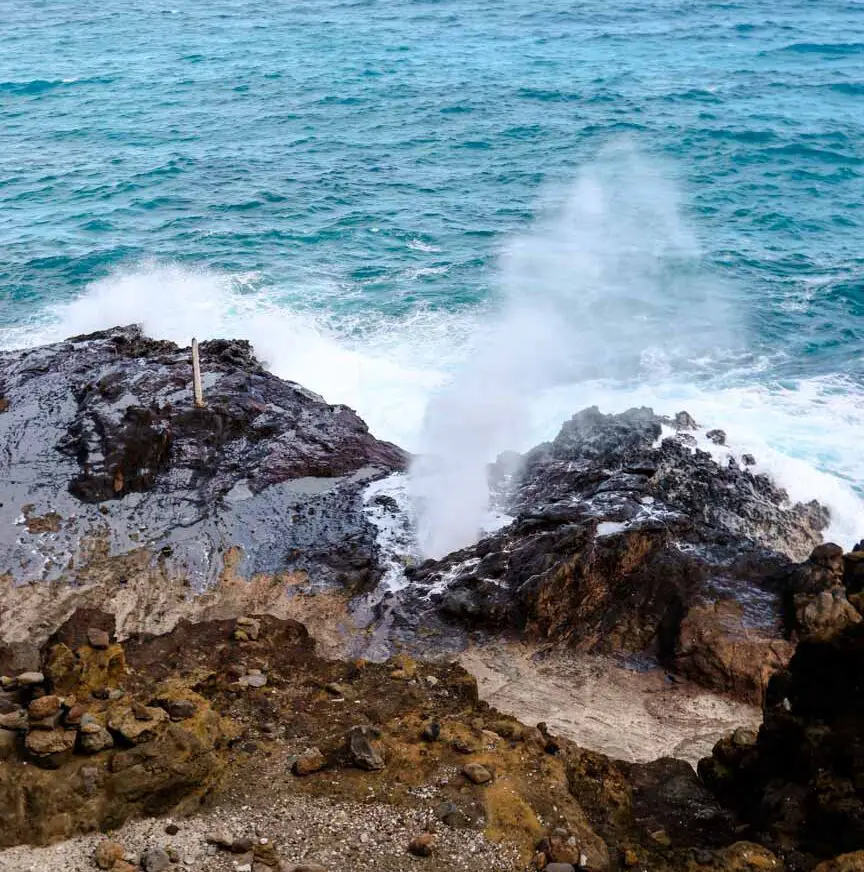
(338, 180)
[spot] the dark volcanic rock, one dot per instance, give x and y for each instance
(620, 535)
(113, 479)
(801, 783)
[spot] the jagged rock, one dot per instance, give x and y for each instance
(618, 534)
(308, 762)
(127, 722)
(800, 783)
(361, 752)
(104, 438)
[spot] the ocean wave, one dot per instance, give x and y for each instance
(805, 432)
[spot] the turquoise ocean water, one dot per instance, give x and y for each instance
(657, 202)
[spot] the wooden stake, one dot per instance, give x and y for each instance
(196, 376)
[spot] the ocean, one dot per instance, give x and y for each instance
(466, 220)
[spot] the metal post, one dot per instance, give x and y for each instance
(196, 376)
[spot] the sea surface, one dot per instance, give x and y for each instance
(466, 220)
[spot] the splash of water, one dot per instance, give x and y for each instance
(608, 283)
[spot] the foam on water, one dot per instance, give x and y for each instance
(805, 434)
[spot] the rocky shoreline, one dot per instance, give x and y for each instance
(174, 580)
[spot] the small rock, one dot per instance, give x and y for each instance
(172, 829)
(748, 460)
(155, 860)
(220, 840)
(363, 755)
(432, 681)
(266, 854)
(461, 747)
(141, 712)
(476, 773)
(98, 638)
(341, 690)
(75, 714)
(94, 738)
(718, 437)
(631, 858)
(44, 707)
(8, 703)
(28, 679)
(744, 737)
(421, 846)
(308, 762)
(253, 680)
(107, 854)
(431, 732)
(178, 709)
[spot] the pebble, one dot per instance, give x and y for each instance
(421, 846)
(363, 755)
(155, 860)
(28, 679)
(253, 680)
(172, 829)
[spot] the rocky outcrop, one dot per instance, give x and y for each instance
(95, 745)
(800, 784)
(628, 537)
(120, 493)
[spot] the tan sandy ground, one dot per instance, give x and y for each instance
(601, 706)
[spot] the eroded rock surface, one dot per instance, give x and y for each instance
(115, 483)
(628, 537)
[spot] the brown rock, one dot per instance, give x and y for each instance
(125, 722)
(361, 752)
(98, 638)
(853, 862)
(717, 650)
(50, 747)
(476, 773)
(44, 707)
(73, 717)
(108, 853)
(16, 720)
(422, 845)
(308, 762)
(95, 739)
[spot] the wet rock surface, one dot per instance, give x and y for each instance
(628, 538)
(116, 482)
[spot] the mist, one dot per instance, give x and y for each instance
(607, 283)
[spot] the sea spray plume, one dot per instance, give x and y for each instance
(607, 283)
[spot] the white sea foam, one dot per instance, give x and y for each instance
(805, 434)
